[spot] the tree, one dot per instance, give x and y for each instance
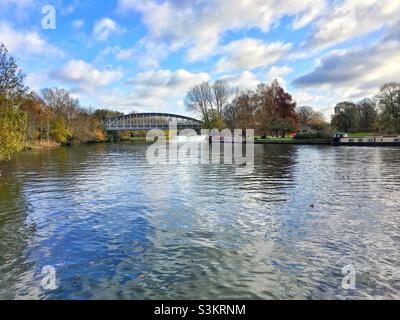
(389, 105)
(346, 117)
(101, 114)
(62, 103)
(199, 99)
(360, 117)
(74, 123)
(221, 95)
(11, 77)
(59, 132)
(277, 109)
(210, 100)
(309, 117)
(306, 115)
(12, 131)
(368, 115)
(12, 120)
(241, 112)
(285, 104)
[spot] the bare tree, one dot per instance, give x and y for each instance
(222, 93)
(200, 99)
(305, 115)
(61, 102)
(309, 117)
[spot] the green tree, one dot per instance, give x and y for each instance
(12, 131)
(346, 117)
(389, 105)
(101, 114)
(59, 132)
(368, 115)
(11, 78)
(13, 121)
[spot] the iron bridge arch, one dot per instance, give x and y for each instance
(149, 121)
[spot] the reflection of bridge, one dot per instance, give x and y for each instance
(148, 121)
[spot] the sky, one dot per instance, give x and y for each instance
(131, 55)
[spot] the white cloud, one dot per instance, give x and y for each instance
(18, 3)
(348, 19)
(37, 80)
(244, 81)
(78, 24)
(161, 90)
(279, 73)
(177, 80)
(199, 25)
(26, 42)
(86, 77)
(249, 53)
(350, 74)
(154, 51)
(104, 28)
(356, 72)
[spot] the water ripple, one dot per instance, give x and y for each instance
(116, 227)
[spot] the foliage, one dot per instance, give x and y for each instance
(53, 115)
(308, 117)
(371, 115)
(101, 114)
(13, 120)
(80, 124)
(59, 131)
(12, 131)
(269, 109)
(11, 77)
(312, 135)
(389, 105)
(352, 117)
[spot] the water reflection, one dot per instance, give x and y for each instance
(115, 226)
(16, 233)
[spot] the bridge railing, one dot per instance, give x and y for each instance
(150, 121)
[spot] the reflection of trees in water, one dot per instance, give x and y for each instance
(68, 200)
(16, 232)
(62, 160)
(21, 180)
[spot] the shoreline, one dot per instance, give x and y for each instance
(42, 145)
(47, 145)
(298, 142)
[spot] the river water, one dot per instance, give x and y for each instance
(114, 226)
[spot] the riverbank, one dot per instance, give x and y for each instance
(294, 141)
(40, 145)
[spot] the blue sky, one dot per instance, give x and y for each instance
(132, 55)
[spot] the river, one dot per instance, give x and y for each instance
(114, 226)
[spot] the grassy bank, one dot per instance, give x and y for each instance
(293, 141)
(362, 134)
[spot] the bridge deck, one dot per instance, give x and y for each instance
(149, 121)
